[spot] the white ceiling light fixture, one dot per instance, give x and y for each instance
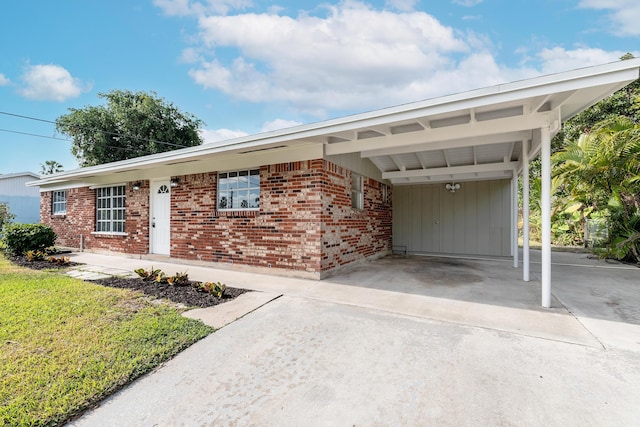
(452, 187)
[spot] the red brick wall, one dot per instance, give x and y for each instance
(80, 220)
(305, 222)
(350, 234)
(284, 233)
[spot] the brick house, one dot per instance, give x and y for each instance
(301, 216)
(437, 176)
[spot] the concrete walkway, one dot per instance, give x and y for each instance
(341, 352)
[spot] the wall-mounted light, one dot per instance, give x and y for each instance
(136, 186)
(175, 182)
(452, 187)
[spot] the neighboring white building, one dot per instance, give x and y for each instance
(23, 201)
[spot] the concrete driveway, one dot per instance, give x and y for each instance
(342, 352)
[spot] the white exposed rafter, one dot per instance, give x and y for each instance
(422, 158)
(378, 162)
(458, 178)
(453, 170)
(446, 158)
(449, 133)
(499, 138)
(399, 165)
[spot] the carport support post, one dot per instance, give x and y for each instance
(546, 215)
(525, 210)
(514, 219)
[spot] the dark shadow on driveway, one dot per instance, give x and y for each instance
(584, 285)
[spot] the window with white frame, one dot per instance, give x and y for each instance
(239, 190)
(59, 202)
(357, 193)
(384, 189)
(110, 209)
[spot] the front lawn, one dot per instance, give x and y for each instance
(65, 344)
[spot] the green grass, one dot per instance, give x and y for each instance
(66, 344)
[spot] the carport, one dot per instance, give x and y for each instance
(454, 162)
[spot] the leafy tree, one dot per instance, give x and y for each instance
(131, 124)
(6, 217)
(623, 102)
(50, 167)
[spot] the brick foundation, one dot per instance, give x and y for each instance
(305, 222)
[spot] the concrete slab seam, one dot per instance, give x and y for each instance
(251, 311)
(604, 347)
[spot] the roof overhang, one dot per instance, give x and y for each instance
(473, 135)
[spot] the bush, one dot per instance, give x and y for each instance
(20, 238)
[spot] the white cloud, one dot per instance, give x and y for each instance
(189, 7)
(211, 136)
(216, 135)
(559, 59)
(354, 56)
(467, 3)
(624, 14)
(279, 124)
(190, 56)
(4, 81)
(50, 83)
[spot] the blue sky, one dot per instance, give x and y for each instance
(246, 66)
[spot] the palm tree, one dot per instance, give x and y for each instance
(601, 171)
(50, 167)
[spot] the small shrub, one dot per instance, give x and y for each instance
(20, 238)
(179, 279)
(216, 289)
(35, 255)
(62, 261)
(148, 275)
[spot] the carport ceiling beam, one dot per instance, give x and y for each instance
(448, 133)
(453, 170)
(501, 138)
(398, 162)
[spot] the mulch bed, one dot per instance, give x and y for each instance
(40, 265)
(185, 295)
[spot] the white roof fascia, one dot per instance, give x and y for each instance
(621, 71)
(18, 174)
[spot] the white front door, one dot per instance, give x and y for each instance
(160, 217)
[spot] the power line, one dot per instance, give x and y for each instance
(26, 117)
(34, 134)
(62, 139)
(119, 135)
